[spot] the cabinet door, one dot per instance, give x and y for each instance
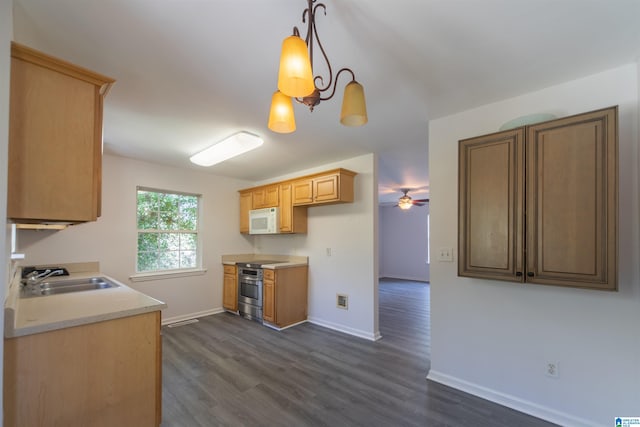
(572, 201)
(245, 207)
(271, 196)
(303, 192)
(490, 215)
(269, 301)
(230, 289)
(55, 139)
(286, 208)
(326, 188)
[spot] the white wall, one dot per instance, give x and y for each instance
(350, 231)
(112, 239)
(404, 243)
(6, 34)
(493, 338)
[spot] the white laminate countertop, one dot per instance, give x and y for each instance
(283, 261)
(26, 316)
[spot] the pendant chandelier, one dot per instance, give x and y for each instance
(296, 80)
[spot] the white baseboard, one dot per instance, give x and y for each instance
(341, 328)
(509, 401)
(191, 316)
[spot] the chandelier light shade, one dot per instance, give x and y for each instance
(281, 118)
(405, 202)
(295, 77)
(354, 107)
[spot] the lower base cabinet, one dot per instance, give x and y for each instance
(230, 288)
(100, 374)
(285, 296)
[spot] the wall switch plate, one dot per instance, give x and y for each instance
(445, 254)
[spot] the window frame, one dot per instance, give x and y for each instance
(176, 272)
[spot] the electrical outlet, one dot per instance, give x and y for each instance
(552, 369)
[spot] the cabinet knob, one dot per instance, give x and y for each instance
(518, 273)
(530, 274)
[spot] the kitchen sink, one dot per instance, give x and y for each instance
(66, 286)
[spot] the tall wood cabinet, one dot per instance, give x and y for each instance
(55, 139)
(538, 204)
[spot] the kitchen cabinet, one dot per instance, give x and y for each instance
(266, 197)
(331, 187)
(285, 296)
(294, 196)
(55, 139)
(230, 288)
(293, 219)
(538, 204)
(99, 374)
(246, 198)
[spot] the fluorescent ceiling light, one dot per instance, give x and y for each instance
(232, 146)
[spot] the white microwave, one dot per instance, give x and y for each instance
(264, 221)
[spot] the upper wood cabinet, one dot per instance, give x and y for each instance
(266, 197)
(294, 196)
(565, 172)
(293, 219)
(245, 206)
(55, 139)
(331, 187)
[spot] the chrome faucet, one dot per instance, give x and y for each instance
(35, 278)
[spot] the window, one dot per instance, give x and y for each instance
(167, 231)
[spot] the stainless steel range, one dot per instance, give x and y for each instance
(250, 281)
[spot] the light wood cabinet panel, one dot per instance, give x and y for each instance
(266, 197)
(100, 374)
(567, 235)
(491, 195)
(230, 288)
(285, 296)
(303, 192)
(572, 201)
(268, 301)
(293, 219)
(245, 206)
(55, 139)
(332, 187)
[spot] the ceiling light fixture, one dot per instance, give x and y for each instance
(232, 146)
(405, 202)
(296, 80)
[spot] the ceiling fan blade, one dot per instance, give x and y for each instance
(422, 200)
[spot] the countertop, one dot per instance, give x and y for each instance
(26, 316)
(284, 261)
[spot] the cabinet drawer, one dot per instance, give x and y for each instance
(229, 269)
(269, 274)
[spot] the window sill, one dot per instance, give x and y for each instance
(170, 274)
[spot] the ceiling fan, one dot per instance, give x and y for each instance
(405, 202)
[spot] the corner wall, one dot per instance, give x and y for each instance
(350, 231)
(493, 338)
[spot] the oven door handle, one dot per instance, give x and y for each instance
(249, 279)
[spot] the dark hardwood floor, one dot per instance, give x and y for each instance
(228, 371)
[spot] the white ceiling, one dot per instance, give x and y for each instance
(191, 72)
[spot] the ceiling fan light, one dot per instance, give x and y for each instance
(354, 107)
(281, 118)
(405, 204)
(232, 146)
(295, 77)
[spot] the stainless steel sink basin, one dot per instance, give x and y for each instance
(65, 286)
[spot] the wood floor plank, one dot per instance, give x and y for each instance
(229, 371)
